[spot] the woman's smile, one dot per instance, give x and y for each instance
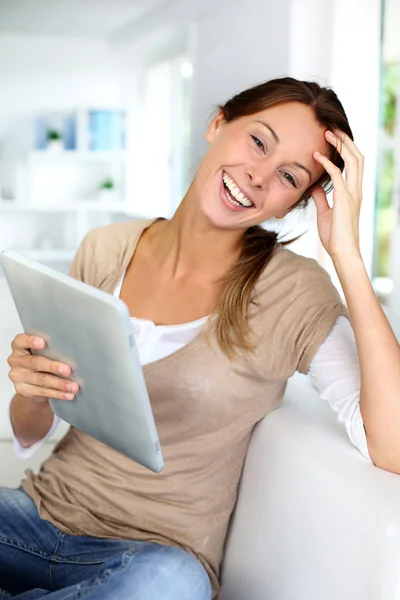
(232, 196)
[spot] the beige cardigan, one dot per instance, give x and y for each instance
(205, 407)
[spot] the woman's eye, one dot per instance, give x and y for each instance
(290, 179)
(258, 142)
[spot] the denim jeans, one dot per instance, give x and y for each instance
(37, 560)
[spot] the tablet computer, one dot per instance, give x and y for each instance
(90, 331)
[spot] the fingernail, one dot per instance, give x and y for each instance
(63, 370)
(69, 396)
(72, 387)
(38, 343)
(317, 153)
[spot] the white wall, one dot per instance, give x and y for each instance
(236, 45)
(47, 73)
(39, 74)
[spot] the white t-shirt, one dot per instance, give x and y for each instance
(334, 371)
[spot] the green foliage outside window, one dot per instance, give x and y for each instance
(391, 80)
(384, 215)
(385, 211)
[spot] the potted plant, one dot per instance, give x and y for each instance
(107, 190)
(54, 140)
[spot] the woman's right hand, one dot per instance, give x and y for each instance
(36, 377)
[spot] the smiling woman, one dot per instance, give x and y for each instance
(261, 165)
(223, 315)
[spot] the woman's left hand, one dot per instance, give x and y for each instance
(338, 226)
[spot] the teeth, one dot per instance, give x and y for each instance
(236, 193)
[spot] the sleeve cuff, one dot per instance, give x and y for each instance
(25, 453)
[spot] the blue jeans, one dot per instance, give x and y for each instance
(37, 560)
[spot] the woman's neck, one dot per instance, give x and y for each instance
(189, 244)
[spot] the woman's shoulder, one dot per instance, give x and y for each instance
(290, 277)
(116, 235)
(293, 267)
(107, 249)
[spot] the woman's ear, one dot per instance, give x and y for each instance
(214, 127)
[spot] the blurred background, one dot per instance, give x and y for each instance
(104, 105)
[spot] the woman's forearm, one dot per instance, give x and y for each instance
(379, 356)
(30, 420)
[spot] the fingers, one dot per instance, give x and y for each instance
(332, 170)
(21, 357)
(36, 376)
(320, 200)
(350, 160)
(38, 363)
(42, 380)
(30, 383)
(26, 342)
(41, 394)
(351, 146)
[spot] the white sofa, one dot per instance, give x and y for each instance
(314, 520)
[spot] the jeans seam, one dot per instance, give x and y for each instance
(97, 581)
(133, 547)
(31, 549)
(53, 558)
(77, 561)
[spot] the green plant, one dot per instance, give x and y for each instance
(385, 214)
(107, 184)
(391, 82)
(53, 135)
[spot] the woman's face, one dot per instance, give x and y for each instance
(258, 166)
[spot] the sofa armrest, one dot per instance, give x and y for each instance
(314, 519)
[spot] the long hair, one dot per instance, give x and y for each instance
(231, 323)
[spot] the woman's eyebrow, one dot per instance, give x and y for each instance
(277, 140)
(274, 134)
(304, 168)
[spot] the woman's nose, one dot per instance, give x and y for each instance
(258, 175)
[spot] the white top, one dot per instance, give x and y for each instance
(334, 371)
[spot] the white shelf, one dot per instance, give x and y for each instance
(76, 207)
(19, 207)
(74, 156)
(58, 199)
(48, 255)
(107, 207)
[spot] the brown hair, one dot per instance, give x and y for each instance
(231, 324)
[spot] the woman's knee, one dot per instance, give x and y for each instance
(180, 569)
(156, 572)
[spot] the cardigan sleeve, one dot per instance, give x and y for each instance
(83, 264)
(318, 307)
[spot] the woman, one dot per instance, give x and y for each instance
(237, 314)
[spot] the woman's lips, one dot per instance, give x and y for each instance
(228, 203)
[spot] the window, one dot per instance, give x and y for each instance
(164, 138)
(389, 156)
